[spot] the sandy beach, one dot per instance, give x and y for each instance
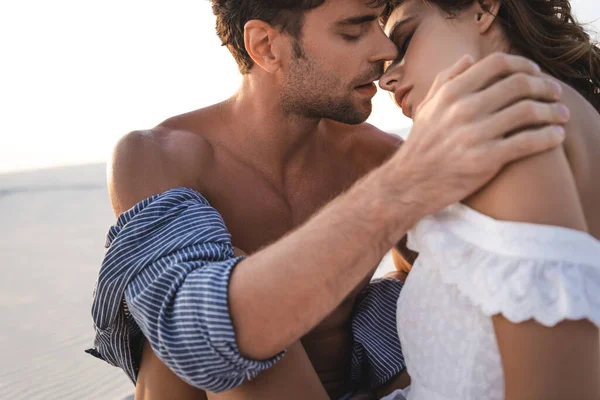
(53, 227)
(53, 230)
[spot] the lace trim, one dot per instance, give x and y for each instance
(529, 273)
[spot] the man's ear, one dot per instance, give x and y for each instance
(263, 43)
(485, 14)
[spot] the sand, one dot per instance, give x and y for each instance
(53, 231)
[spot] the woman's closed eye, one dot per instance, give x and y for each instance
(403, 48)
(402, 45)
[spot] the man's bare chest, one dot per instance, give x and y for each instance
(256, 220)
(257, 214)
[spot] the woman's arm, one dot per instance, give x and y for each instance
(562, 362)
(549, 363)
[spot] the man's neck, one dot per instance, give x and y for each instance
(261, 133)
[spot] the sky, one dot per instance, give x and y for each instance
(75, 76)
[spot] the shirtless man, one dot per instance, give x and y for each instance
(272, 158)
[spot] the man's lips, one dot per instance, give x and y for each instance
(371, 79)
(401, 96)
(368, 89)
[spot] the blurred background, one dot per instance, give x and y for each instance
(75, 77)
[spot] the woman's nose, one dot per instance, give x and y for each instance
(391, 78)
(388, 82)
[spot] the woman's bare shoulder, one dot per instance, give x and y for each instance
(583, 114)
(541, 188)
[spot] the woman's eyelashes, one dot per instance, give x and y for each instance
(403, 48)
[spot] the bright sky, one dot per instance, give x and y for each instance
(77, 75)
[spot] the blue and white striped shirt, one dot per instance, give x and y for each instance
(165, 278)
(376, 355)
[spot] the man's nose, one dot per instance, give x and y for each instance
(390, 51)
(386, 49)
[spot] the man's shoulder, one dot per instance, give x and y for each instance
(149, 162)
(372, 134)
(367, 144)
(367, 134)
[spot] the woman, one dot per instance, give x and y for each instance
(495, 309)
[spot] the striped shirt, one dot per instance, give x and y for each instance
(165, 279)
(376, 355)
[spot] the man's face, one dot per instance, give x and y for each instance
(343, 52)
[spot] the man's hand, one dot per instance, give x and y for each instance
(476, 119)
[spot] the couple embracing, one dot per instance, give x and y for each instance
(248, 232)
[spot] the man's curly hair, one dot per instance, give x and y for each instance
(285, 15)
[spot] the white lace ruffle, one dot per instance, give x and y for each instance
(522, 271)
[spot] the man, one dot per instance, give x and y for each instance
(269, 161)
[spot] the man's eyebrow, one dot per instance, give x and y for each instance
(358, 20)
(398, 25)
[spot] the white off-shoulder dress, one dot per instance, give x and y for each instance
(471, 267)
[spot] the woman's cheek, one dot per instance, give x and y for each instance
(421, 89)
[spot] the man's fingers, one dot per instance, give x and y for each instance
(517, 87)
(455, 70)
(523, 115)
(527, 143)
(490, 70)
(458, 68)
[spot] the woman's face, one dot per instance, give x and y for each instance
(428, 42)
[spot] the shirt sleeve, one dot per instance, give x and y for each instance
(167, 267)
(377, 354)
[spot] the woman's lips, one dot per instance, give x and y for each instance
(401, 97)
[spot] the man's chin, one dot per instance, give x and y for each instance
(353, 112)
(352, 120)
(361, 113)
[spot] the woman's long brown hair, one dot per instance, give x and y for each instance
(546, 32)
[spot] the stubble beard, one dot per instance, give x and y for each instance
(307, 93)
